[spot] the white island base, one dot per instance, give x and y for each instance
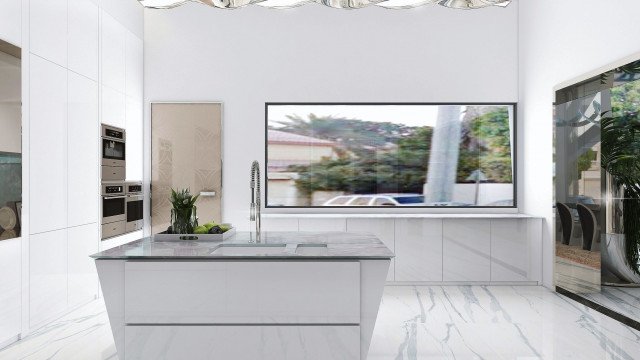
(245, 309)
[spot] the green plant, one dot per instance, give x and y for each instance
(183, 214)
(621, 159)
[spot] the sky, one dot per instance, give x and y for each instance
(410, 115)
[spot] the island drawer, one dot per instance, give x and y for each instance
(243, 342)
(242, 292)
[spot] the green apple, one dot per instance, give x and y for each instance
(200, 230)
(209, 225)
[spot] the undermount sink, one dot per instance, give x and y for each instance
(271, 249)
(250, 250)
(312, 249)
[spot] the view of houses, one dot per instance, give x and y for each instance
(393, 155)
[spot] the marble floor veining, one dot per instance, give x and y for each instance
(623, 300)
(421, 322)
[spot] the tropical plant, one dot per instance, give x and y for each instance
(183, 214)
(621, 159)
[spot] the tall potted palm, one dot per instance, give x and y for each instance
(620, 137)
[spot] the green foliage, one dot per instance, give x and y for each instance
(491, 136)
(183, 214)
(621, 158)
(367, 164)
(585, 160)
(182, 199)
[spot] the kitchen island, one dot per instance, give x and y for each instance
(290, 295)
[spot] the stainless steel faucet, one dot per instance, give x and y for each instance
(254, 211)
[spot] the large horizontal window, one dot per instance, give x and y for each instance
(390, 155)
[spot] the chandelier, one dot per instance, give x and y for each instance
(338, 4)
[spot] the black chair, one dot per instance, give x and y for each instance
(589, 224)
(566, 219)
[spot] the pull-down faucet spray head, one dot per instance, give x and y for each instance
(255, 207)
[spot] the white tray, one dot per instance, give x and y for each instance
(194, 237)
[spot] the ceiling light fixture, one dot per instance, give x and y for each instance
(338, 4)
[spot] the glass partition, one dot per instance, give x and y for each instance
(597, 189)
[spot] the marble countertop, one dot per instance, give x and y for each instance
(401, 215)
(339, 245)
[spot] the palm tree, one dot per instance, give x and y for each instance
(621, 160)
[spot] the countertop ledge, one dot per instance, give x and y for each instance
(402, 216)
(340, 245)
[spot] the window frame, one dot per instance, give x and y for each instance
(332, 209)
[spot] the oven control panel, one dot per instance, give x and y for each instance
(112, 189)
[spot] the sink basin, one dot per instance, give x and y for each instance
(249, 250)
(312, 249)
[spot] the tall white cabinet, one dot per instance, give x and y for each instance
(85, 67)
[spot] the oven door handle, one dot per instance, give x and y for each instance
(106, 197)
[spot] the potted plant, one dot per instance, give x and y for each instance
(183, 214)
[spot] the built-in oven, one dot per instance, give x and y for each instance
(135, 206)
(113, 153)
(114, 210)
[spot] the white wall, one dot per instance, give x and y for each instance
(560, 40)
(253, 55)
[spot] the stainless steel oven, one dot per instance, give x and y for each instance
(113, 153)
(135, 205)
(114, 210)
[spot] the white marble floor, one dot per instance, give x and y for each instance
(423, 322)
(623, 300)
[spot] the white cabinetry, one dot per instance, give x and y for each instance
(48, 151)
(10, 289)
(264, 292)
(509, 250)
(48, 30)
(83, 37)
(383, 229)
(134, 64)
(135, 136)
(113, 108)
(418, 249)
(11, 21)
(83, 280)
(442, 248)
(113, 36)
(466, 250)
(47, 276)
(83, 149)
(243, 342)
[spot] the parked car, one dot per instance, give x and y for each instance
(377, 200)
(449, 203)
